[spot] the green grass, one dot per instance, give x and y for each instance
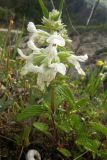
(3, 37)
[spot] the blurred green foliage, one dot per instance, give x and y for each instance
(79, 10)
(5, 12)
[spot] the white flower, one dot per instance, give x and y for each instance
(41, 78)
(40, 82)
(29, 67)
(31, 27)
(45, 77)
(75, 61)
(39, 36)
(32, 46)
(43, 33)
(30, 57)
(51, 53)
(47, 74)
(48, 60)
(56, 39)
(81, 58)
(103, 76)
(58, 67)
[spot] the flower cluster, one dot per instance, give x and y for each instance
(49, 54)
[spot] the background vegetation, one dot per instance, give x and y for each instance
(78, 10)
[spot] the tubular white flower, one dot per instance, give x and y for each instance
(47, 74)
(43, 33)
(80, 58)
(75, 61)
(41, 79)
(40, 37)
(23, 55)
(40, 82)
(32, 46)
(45, 78)
(58, 67)
(31, 27)
(78, 68)
(56, 39)
(50, 75)
(51, 52)
(29, 67)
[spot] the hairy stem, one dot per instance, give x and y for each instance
(53, 109)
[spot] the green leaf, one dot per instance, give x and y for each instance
(30, 112)
(64, 152)
(61, 5)
(94, 83)
(42, 127)
(82, 102)
(77, 123)
(44, 9)
(100, 128)
(79, 126)
(67, 94)
(89, 144)
(64, 126)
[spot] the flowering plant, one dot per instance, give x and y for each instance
(50, 51)
(66, 118)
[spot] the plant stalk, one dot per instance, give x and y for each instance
(53, 109)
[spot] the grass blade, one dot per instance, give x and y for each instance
(61, 5)
(44, 9)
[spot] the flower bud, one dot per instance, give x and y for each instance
(99, 63)
(54, 15)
